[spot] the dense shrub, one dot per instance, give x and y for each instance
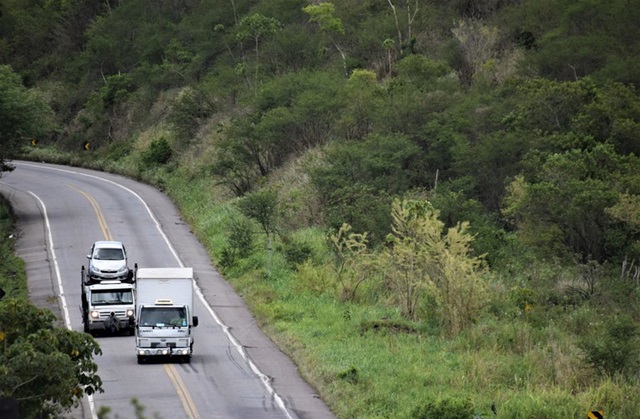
(240, 242)
(614, 347)
(294, 252)
(159, 152)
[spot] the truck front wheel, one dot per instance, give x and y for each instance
(141, 359)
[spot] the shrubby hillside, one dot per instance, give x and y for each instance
(388, 183)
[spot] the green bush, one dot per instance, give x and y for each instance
(240, 242)
(159, 152)
(614, 347)
(295, 252)
(421, 70)
(348, 204)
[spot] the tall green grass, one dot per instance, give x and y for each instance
(12, 271)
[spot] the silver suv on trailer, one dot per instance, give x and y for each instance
(108, 260)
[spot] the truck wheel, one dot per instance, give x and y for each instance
(186, 359)
(141, 359)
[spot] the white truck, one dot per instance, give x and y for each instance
(108, 305)
(164, 313)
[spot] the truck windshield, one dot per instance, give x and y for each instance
(107, 297)
(163, 316)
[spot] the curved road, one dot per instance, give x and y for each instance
(236, 371)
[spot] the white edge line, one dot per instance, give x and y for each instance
(227, 331)
(63, 300)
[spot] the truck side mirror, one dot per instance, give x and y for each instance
(195, 321)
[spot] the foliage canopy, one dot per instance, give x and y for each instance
(47, 369)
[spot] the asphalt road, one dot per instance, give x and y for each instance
(236, 371)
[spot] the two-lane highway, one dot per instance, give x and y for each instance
(236, 371)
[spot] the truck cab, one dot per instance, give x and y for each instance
(164, 316)
(109, 307)
(164, 329)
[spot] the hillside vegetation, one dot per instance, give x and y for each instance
(432, 207)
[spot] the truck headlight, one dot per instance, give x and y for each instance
(129, 312)
(95, 314)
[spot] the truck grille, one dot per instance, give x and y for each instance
(163, 344)
(105, 314)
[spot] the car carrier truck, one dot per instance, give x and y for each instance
(108, 305)
(164, 313)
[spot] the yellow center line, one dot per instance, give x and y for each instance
(98, 211)
(185, 398)
(183, 393)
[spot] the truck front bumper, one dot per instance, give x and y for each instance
(161, 346)
(163, 351)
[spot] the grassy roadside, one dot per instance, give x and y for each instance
(368, 362)
(12, 271)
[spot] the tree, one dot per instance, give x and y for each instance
(612, 115)
(477, 44)
(579, 42)
(257, 27)
(351, 266)
(45, 368)
(24, 116)
(364, 100)
(359, 179)
(43, 34)
(404, 41)
(293, 114)
(189, 110)
(324, 15)
(297, 112)
(420, 260)
(262, 206)
(548, 107)
(571, 202)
